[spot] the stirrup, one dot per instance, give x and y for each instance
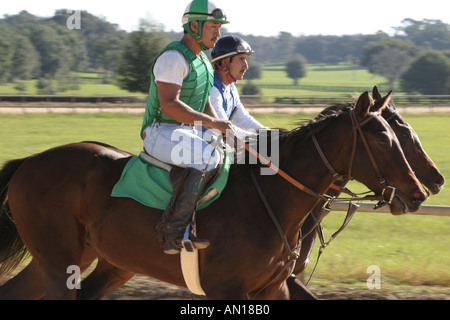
(186, 243)
(190, 245)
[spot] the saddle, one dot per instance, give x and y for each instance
(175, 170)
(147, 181)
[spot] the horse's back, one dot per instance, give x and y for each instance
(65, 174)
(69, 158)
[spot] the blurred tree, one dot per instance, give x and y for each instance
(45, 85)
(428, 74)
(250, 89)
(254, 70)
(25, 59)
(285, 46)
(430, 34)
(54, 57)
(133, 71)
(296, 68)
(102, 39)
(6, 52)
(388, 57)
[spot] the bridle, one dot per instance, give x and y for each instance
(357, 128)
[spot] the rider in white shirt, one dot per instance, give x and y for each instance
(181, 79)
(229, 58)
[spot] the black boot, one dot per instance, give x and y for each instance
(188, 185)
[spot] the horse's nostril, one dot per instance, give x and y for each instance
(439, 180)
(417, 197)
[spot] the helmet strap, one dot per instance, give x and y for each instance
(225, 66)
(197, 36)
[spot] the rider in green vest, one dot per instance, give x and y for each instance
(181, 81)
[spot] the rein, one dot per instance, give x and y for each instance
(293, 255)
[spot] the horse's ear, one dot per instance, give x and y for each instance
(363, 104)
(381, 103)
(375, 93)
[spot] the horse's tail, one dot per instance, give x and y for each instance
(12, 249)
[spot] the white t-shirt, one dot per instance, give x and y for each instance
(171, 67)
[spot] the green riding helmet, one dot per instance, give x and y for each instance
(201, 11)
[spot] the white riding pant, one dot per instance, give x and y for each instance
(182, 145)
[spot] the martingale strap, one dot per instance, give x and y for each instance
(352, 208)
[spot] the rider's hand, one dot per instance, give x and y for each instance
(223, 126)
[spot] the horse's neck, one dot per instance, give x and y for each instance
(290, 204)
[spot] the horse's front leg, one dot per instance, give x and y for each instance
(224, 290)
(298, 291)
(275, 291)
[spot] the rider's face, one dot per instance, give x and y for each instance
(238, 66)
(210, 33)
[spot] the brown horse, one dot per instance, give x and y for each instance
(62, 210)
(423, 167)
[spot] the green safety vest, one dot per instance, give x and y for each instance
(195, 89)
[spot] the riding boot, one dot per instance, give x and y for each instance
(188, 185)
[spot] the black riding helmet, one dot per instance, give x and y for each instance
(229, 46)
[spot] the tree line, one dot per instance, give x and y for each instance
(417, 56)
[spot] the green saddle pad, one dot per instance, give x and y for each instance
(150, 185)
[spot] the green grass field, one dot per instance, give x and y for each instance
(409, 249)
(319, 80)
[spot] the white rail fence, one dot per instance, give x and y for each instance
(426, 210)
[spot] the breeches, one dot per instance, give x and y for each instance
(182, 145)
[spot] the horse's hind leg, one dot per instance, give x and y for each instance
(104, 279)
(63, 246)
(61, 277)
(27, 285)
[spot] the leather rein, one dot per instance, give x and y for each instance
(294, 254)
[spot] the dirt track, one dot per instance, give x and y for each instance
(142, 288)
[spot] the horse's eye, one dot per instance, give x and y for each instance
(405, 133)
(384, 143)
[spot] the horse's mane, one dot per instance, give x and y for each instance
(291, 139)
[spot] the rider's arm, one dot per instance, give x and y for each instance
(173, 107)
(170, 69)
(217, 103)
(242, 118)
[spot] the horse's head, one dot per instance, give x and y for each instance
(420, 162)
(379, 161)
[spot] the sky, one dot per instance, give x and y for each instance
(264, 17)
